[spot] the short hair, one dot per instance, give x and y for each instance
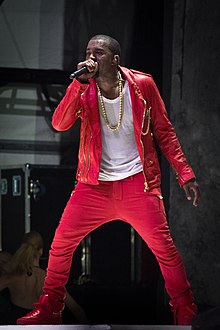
(113, 44)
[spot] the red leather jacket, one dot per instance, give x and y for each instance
(151, 124)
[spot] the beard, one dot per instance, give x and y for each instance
(96, 75)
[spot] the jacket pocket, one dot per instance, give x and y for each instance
(146, 122)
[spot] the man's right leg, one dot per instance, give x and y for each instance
(86, 210)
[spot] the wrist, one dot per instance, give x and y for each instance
(82, 81)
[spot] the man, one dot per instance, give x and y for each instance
(118, 173)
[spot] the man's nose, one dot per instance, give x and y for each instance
(92, 57)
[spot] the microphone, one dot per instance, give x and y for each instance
(79, 72)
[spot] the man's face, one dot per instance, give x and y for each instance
(98, 51)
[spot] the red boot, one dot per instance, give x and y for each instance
(184, 309)
(46, 312)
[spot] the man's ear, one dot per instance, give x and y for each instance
(116, 59)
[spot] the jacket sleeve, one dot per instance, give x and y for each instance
(165, 135)
(68, 109)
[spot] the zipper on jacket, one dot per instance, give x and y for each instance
(89, 158)
(86, 168)
(79, 112)
(146, 186)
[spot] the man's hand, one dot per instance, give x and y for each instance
(191, 189)
(92, 68)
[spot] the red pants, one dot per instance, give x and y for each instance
(91, 206)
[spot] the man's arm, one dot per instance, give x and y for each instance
(166, 137)
(67, 111)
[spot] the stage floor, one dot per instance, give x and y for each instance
(95, 327)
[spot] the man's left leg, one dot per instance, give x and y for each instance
(172, 268)
(145, 212)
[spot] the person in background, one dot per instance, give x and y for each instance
(122, 117)
(5, 258)
(24, 279)
(5, 303)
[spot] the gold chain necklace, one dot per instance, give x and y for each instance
(121, 107)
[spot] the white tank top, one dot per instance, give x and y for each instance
(120, 157)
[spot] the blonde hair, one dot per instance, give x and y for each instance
(23, 259)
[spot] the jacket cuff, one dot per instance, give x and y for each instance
(182, 179)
